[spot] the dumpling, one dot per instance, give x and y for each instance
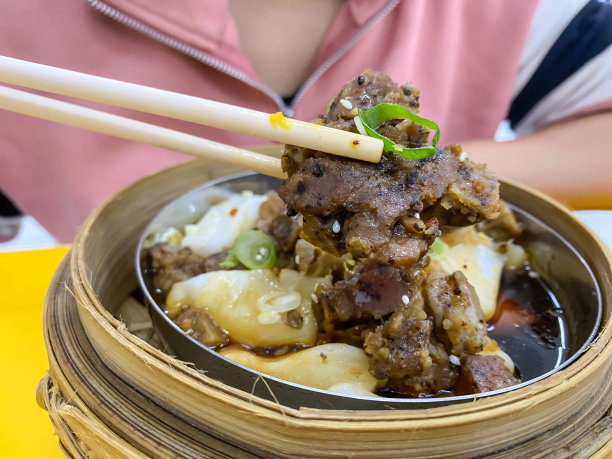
(256, 308)
(337, 367)
(223, 223)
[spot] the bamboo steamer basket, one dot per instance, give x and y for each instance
(111, 393)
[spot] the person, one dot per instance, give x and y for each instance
(470, 59)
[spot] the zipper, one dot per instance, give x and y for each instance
(217, 64)
(185, 49)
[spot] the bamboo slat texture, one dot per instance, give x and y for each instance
(109, 393)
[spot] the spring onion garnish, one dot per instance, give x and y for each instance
(254, 249)
(367, 121)
(438, 249)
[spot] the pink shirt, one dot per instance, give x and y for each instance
(462, 55)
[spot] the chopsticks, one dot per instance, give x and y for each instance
(94, 120)
(169, 104)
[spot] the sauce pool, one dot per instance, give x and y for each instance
(529, 324)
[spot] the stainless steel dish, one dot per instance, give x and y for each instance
(562, 250)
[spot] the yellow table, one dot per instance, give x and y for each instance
(25, 428)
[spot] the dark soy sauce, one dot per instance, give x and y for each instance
(529, 324)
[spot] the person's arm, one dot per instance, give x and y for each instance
(571, 161)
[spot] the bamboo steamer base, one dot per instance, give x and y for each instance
(111, 394)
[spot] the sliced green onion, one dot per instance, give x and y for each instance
(367, 121)
(254, 249)
(438, 249)
(231, 261)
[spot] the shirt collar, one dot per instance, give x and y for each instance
(207, 24)
(202, 24)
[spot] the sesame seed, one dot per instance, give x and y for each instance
(259, 257)
(417, 215)
(336, 227)
(297, 259)
(405, 299)
(454, 360)
(314, 297)
(263, 251)
(533, 274)
(462, 156)
(346, 104)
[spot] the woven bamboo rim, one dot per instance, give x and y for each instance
(159, 406)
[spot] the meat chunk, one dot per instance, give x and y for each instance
(293, 318)
(213, 262)
(458, 318)
(269, 210)
(200, 325)
(315, 262)
(373, 291)
(399, 347)
(404, 350)
(171, 264)
(273, 219)
(373, 88)
(504, 227)
(349, 206)
(441, 377)
(167, 264)
(368, 209)
(483, 373)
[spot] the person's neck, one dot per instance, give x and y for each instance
(281, 38)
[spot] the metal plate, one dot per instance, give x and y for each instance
(566, 256)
